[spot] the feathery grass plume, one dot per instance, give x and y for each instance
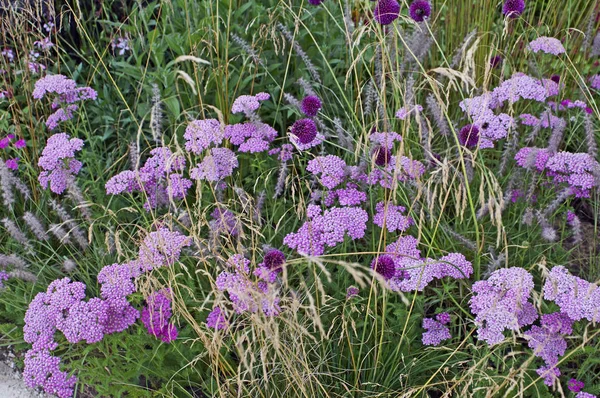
(8, 196)
(69, 265)
(527, 218)
(548, 232)
(562, 196)
(283, 173)
(592, 147)
(464, 241)
(306, 86)
(575, 224)
(417, 46)
(498, 261)
(76, 196)
(259, 205)
(348, 22)
(156, 114)
(595, 51)
(291, 100)
(134, 155)
(557, 135)
(460, 51)
(533, 134)
(60, 233)
(343, 137)
(370, 96)
(309, 65)
(438, 115)
(509, 149)
(23, 275)
(36, 226)
(16, 233)
(66, 218)
(6, 260)
(425, 135)
(244, 45)
(589, 31)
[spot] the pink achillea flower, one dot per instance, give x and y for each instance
(251, 136)
(349, 196)
(13, 163)
(595, 82)
(403, 112)
(4, 143)
(576, 385)
(284, 153)
(201, 134)
(215, 166)
(248, 104)
(419, 10)
(386, 11)
(327, 229)
(161, 248)
(492, 127)
(576, 297)
(548, 342)
(330, 169)
(157, 314)
(20, 144)
(58, 162)
(390, 216)
(521, 86)
(398, 169)
(583, 394)
(502, 303)
(385, 139)
(548, 45)
(224, 221)
(436, 329)
(216, 320)
(61, 115)
(513, 8)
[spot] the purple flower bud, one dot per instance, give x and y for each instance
(311, 105)
(495, 61)
(305, 130)
(386, 11)
(555, 78)
(420, 10)
(513, 8)
(469, 136)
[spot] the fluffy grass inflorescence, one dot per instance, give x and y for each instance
(386, 198)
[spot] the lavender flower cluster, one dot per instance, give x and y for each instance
(58, 162)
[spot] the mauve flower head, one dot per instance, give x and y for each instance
(548, 45)
(315, 2)
(513, 8)
(386, 11)
(330, 169)
(13, 163)
(420, 10)
(311, 105)
(58, 162)
(595, 82)
(384, 265)
(251, 137)
(391, 217)
(248, 104)
(216, 320)
(215, 166)
(201, 134)
(305, 130)
(4, 143)
(352, 291)
(469, 136)
(435, 332)
(576, 385)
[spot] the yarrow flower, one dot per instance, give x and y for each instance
(403, 112)
(576, 385)
(215, 166)
(513, 8)
(310, 105)
(161, 248)
(251, 137)
(420, 10)
(157, 314)
(391, 217)
(201, 134)
(58, 162)
(248, 104)
(216, 320)
(576, 297)
(386, 11)
(436, 330)
(548, 45)
(330, 169)
(595, 82)
(502, 302)
(327, 228)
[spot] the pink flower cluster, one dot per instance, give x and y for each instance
(157, 314)
(548, 45)
(58, 162)
(330, 169)
(391, 217)
(67, 93)
(160, 179)
(502, 303)
(576, 297)
(436, 330)
(327, 228)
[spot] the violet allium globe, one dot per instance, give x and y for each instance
(315, 2)
(384, 265)
(305, 130)
(311, 105)
(386, 11)
(419, 10)
(382, 156)
(513, 8)
(274, 260)
(496, 61)
(469, 136)
(555, 78)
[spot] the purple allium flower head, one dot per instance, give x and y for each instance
(384, 265)
(311, 105)
(215, 166)
(305, 130)
(382, 156)
(513, 8)
(555, 78)
(330, 169)
(391, 217)
(13, 163)
(576, 385)
(496, 60)
(216, 320)
(274, 260)
(352, 291)
(201, 134)
(58, 162)
(549, 45)
(386, 11)
(469, 136)
(435, 332)
(420, 10)
(502, 302)
(315, 2)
